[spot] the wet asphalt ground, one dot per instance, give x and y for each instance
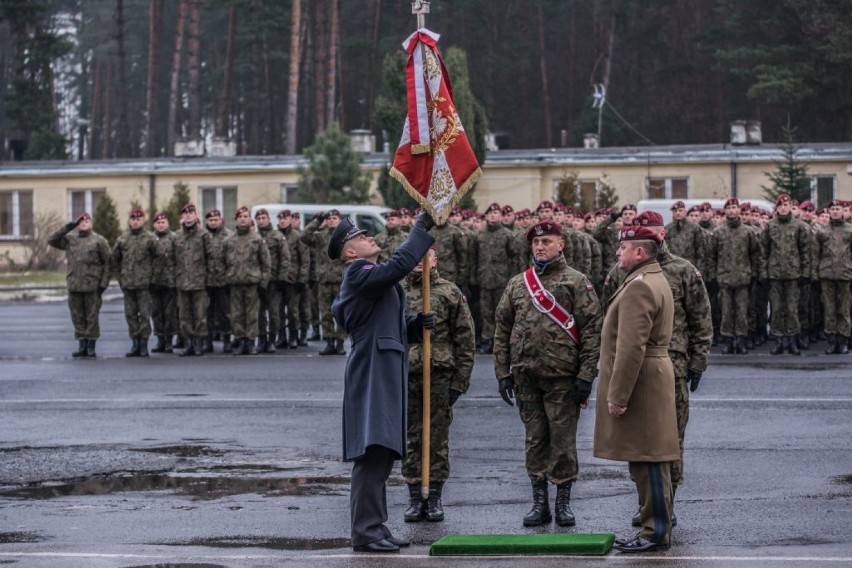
(222, 461)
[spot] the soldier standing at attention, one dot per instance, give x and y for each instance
(163, 294)
(295, 284)
(546, 350)
(393, 236)
(452, 364)
(193, 247)
(635, 418)
(493, 263)
(317, 235)
(835, 272)
(684, 238)
(219, 304)
(247, 263)
(88, 257)
(371, 308)
(269, 316)
(786, 251)
(132, 261)
(451, 248)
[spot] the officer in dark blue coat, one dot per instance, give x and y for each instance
(371, 308)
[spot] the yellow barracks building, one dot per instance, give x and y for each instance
(32, 192)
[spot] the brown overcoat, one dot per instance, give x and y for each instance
(636, 372)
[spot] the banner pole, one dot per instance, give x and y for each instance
(426, 437)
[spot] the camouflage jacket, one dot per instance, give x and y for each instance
(300, 257)
(328, 271)
(595, 273)
(493, 259)
(688, 241)
(247, 258)
(88, 258)
(577, 251)
(692, 329)
(192, 246)
(835, 251)
(452, 250)
(389, 240)
(163, 268)
(133, 258)
(734, 255)
(279, 253)
(216, 276)
(786, 244)
(452, 338)
(607, 236)
(528, 341)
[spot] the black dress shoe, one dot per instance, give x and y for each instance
(383, 545)
(639, 544)
(397, 541)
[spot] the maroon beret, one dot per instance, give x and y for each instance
(240, 211)
(808, 205)
(705, 206)
(783, 198)
(84, 216)
(639, 233)
(507, 209)
(732, 201)
(335, 212)
(260, 212)
(188, 208)
(212, 213)
(837, 203)
(393, 213)
(493, 207)
(403, 212)
(649, 219)
(678, 205)
(628, 207)
(160, 215)
(544, 228)
(457, 211)
(136, 213)
(544, 205)
(284, 213)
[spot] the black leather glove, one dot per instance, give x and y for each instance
(427, 320)
(71, 226)
(454, 396)
(584, 389)
(804, 280)
(424, 221)
(506, 388)
(101, 290)
(693, 378)
(321, 216)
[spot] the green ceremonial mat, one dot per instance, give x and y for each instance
(522, 544)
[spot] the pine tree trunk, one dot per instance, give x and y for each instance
(94, 113)
(193, 61)
(154, 27)
(375, 24)
(223, 120)
(331, 69)
(545, 91)
(321, 57)
(123, 130)
(273, 123)
(293, 79)
(106, 128)
(174, 84)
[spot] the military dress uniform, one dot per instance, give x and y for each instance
(192, 249)
(88, 257)
(295, 291)
(329, 277)
(835, 273)
(548, 369)
(247, 262)
(269, 317)
(163, 293)
(453, 346)
(219, 302)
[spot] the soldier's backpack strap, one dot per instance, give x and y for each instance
(547, 304)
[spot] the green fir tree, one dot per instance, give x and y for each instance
(180, 197)
(105, 220)
(334, 174)
(791, 173)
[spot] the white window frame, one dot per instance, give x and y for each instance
(668, 186)
(815, 187)
(88, 201)
(286, 190)
(16, 215)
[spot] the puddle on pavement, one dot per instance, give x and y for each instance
(184, 451)
(195, 487)
(272, 543)
(18, 537)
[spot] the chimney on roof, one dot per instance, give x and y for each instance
(746, 132)
(591, 140)
(363, 141)
(754, 134)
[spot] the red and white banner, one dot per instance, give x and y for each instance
(434, 161)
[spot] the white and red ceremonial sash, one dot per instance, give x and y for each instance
(547, 304)
(434, 161)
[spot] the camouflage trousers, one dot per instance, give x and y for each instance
(758, 309)
(836, 301)
(85, 310)
(550, 415)
(330, 329)
(817, 311)
(305, 308)
(269, 309)
(488, 300)
(192, 306)
(680, 363)
(245, 305)
(164, 311)
(289, 314)
(735, 307)
(137, 313)
(715, 306)
(313, 303)
(804, 311)
(219, 310)
(784, 308)
(441, 415)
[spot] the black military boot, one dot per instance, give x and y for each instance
(250, 347)
(198, 345)
(729, 346)
(167, 348)
(270, 344)
(338, 347)
(143, 346)
(803, 342)
(793, 346)
(180, 343)
(674, 517)
(749, 341)
(282, 340)
(416, 511)
(842, 345)
(227, 345)
(540, 512)
(161, 344)
(134, 349)
(831, 344)
(189, 350)
(81, 349)
(741, 346)
(329, 348)
(315, 336)
(778, 348)
(564, 515)
(207, 345)
(237, 346)
(90, 348)
(303, 338)
(261, 343)
(293, 341)
(434, 508)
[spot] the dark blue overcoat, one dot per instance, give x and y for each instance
(371, 308)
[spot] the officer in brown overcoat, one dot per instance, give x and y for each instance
(635, 409)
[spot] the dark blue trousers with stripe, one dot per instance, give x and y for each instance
(654, 484)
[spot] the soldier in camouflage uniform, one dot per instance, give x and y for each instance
(596, 258)
(192, 250)
(392, 237)
(329, 276)
(248, 270)
(493, 251)
(452, 363)
(550, 370)
(163, 293)
(88, 257)
(577, 251)
(132, 262)
(686, 239)
(269, 316)
(692, 329)
(786, 252)
(835, 272)
(295, 283)
(451, 247)
(219, 302)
